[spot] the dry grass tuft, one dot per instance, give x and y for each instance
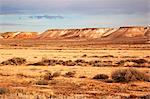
(130, 74)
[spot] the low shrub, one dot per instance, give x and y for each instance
(45, 62)
(60, 62)
(48, 76)
(22, 75)
(14, 61)
(3, 90)
(121, 62)
(56, 74)
(101, 76)
(108, 81)
(69, 63)
(42, 82)
(139, 61)
(95, 63)
(106, 56)
(135, 61)
(84, 55)
(130, 74)
(70, 74)
(38, 64)
(82, 77)
(80, 62)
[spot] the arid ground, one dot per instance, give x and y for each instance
(65, 70)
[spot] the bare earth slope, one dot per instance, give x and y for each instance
(111, 35)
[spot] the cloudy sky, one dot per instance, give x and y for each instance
(39, 15)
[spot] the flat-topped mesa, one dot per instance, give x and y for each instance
(27, 35)
(86, 33)
(121, 34)
(19, 35)
(129, 32)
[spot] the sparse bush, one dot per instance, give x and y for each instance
(139, 61)
(95, 63)
(69, 63)
(4, 74)
(70, 74)
(22, 75)
(82, 77)
(80, 62)
(45, 62)
(133, 61)
(106, 63)
(145, 97)
(48, 76)
(14, 61)
(42, 82)
(130, 74)
(50, 62)
(101, 76)
(147, 56)
(84, 55)
(106, 56)
(56, 74)
(3, 90)
(38, 64)
(108, 81)
(60, 62)
(121, 62)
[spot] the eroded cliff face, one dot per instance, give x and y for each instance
(26, 35)
(19, 35)
(128, 32)
(87, 33)
(147, 33)
(111, 34)
(1, 37)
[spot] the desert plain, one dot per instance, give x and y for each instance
(32, 68)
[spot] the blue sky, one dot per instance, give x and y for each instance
(39, 15)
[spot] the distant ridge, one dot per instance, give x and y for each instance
(113, 35)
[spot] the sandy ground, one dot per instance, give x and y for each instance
(20, 81)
